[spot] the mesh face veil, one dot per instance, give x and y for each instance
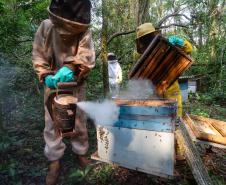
(73, 10)
(111, 56)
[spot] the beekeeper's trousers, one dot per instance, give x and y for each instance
(174, 92)
(54, 146)
(114, 89)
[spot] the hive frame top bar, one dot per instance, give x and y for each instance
(145, 102)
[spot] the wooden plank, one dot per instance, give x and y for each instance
(191, 124)
(146, 102)
(202, 142)
(147, 61)
(179, 65)
(220, 126)
(159, 76)
(193, 158)
(203, 130)
(159, 73)
(185, 64)
(143, 57)
(202, 126)
(154, 61)
(173, 72)
(170, 76)
(159, 63)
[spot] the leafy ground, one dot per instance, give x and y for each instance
(21, 142)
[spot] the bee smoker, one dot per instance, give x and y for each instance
(64, 109)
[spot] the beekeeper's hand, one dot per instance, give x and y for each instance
(181, 42)
(176, 40)
(49, 81)
(64, 74)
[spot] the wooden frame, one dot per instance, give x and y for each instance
(162, 63)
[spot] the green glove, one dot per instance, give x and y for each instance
(64, 74)
(176, 40)
(49, 81)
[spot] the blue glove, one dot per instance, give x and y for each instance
(64, 74)
(176, 40)
(49, 81)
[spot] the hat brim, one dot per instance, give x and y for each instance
(153, 32)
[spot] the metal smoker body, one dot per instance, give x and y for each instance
(64, 109)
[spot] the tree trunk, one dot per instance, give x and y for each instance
(200, 34)
(133, 11)
(213, 29)
(104, 47)
(174, 18)
(160, 9)
(143, 12)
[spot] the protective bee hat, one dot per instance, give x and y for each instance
(73, 10)
(111, 56)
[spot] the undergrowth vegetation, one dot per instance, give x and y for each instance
(22, 161)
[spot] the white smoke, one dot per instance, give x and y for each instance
(138, 89)
(103, 113)
(107, 112)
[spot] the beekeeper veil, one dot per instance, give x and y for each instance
(73, 10)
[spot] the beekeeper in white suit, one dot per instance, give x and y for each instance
(115, 74)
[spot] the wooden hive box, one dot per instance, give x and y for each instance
(143, 137)
(162, 63)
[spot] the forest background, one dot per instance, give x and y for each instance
(113, 24)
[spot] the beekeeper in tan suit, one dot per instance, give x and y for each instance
(63, 51)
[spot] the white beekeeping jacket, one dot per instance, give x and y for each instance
(114, 72)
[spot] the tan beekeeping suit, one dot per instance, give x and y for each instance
(59, 42)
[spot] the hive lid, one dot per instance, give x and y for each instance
(146, 102)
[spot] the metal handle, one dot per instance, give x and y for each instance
(66, 85)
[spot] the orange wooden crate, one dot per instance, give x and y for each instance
(162, 63)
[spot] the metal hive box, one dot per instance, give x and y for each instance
(143, 137)
(162, 63)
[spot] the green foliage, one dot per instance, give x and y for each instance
(19, 21)
(95, 79)
(103, 174)
(4, 141)
(207, 105)
(217, 180)
(21, 142)
(78, 175)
